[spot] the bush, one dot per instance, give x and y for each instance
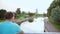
(2, 14)
(17, 16)
(55, 15)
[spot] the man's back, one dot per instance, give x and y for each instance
(8, 27)
(34, 27)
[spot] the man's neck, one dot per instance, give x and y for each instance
(8, 19)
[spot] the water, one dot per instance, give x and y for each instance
(35, 27)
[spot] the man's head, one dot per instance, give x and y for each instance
(9, 16)
(31, 20)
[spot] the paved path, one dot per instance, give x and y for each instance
(49, 27)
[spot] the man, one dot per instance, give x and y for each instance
(33, 26)
(8, 27)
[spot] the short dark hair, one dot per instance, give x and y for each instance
(9, 15)
(31, 20)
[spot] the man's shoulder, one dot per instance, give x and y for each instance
(1, 23)
(14, 24)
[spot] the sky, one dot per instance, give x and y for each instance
(26, 5)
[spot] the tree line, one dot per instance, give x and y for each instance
(54, 11)
(18, 13)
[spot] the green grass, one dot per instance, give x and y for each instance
(55, 24)
(2, 20)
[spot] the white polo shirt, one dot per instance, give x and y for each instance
(34, 27)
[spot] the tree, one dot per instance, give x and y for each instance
(55, 15)
(18, 11)
(2, 13)
(31, 14)
(54, 4)
(45, 15)
(23, 12)
(54, 11)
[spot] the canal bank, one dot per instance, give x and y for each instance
(49, 27)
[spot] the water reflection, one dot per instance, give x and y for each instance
(37, 26)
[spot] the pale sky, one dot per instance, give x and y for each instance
(26, 5)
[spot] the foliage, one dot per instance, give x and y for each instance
(23, 12)
(54, 10)
(18, 11)
(31, 14)
(54, 23)
(55, 15)
(17, 16)
(2, 13)
(45, 15)
(54, 4)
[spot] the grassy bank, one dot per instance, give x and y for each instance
(2, 20)
(55, 24)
